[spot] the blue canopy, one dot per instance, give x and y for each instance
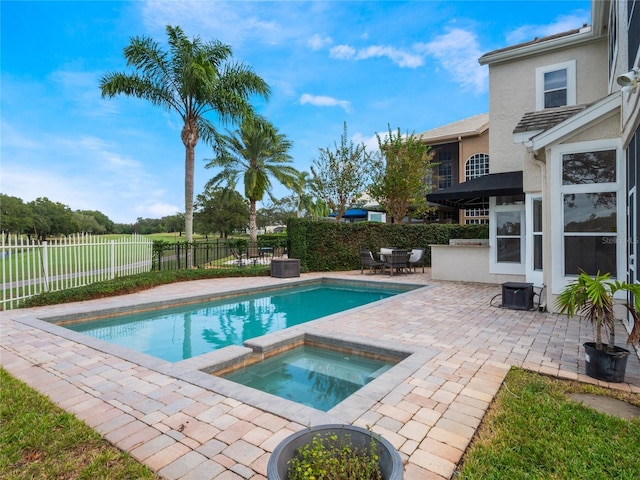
(353, 213)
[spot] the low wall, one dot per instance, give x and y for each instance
(465, 262)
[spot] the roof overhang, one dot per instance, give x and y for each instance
(597, 112)
(476, 192)
(517, 52)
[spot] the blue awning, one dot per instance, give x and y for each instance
(353, 213)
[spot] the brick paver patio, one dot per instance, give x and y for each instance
(181, 423)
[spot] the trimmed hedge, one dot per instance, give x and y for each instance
(136, 283)
(330, 246)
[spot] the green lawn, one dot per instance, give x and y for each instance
(39, 440)
(532, 431)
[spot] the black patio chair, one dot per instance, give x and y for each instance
(416, 259)
(367, 261)
(398, 261)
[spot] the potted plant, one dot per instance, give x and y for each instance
(593, 297)
(335, 452)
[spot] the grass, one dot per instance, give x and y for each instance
(136, 283)
(39, 440)
(533, 431)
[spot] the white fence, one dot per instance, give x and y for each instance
(33, 267)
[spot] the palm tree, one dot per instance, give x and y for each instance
(194, 78)
(255, 153)
(306, 200)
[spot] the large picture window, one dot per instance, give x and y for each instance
(590, 212)
(506, 217)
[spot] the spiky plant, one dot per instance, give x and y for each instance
(593, 297)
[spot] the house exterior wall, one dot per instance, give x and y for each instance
(470, 146)
(512, 93)
(461, 145)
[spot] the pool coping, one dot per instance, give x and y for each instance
(185, 432)
(136, 307)
(196, 370)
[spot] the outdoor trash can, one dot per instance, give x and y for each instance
(285, 268)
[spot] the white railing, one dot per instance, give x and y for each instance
(33, 267)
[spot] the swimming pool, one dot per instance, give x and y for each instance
(183, 332)
(313, 376)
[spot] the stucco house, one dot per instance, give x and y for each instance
(461, 151)
(564, 148)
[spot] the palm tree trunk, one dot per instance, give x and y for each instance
(189, 139)
(253, 226)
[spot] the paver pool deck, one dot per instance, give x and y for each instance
(189, 425)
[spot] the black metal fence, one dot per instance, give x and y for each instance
(214, 254)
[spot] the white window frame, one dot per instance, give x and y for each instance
(533, 276)
(512, 268)
(377, 217)
(483, 156)
(559, 279)
(570, 67)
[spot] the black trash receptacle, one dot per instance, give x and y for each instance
(285, 268)
(517, 296)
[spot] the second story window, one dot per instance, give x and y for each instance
(476, 166)
(556, 85)
(555, 88)
(444, 169)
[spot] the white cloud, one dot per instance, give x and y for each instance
(232, 22)
(458, 52)
(324, 101)
(85, 173)
(318, 42)
(399, 57)
(342, 52)
(370, 142)
(156, 210)
(563, 23)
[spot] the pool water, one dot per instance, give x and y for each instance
(180, 333)
(317, 377)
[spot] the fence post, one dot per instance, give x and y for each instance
(45, 265)
(112, 252)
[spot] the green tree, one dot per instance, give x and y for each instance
(101, 218)
(221, 210)
(173, 223)
(307, 202)
(15, 215)
(147, 226)
(88, 223)
(277, 211)
(400, 172)
(193, 79)
(255, 153)
(51, 218)
(341, 175)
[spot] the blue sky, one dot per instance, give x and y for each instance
(411, 65)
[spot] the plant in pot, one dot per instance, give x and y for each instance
(593, 297)
(335, 452)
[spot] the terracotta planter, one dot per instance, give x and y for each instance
(390, 463)
(606, 366)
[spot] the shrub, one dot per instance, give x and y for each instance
(332, 458)
(136, 283)
(330, 246)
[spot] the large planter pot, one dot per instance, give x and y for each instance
(390, 463)
(606, 366)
